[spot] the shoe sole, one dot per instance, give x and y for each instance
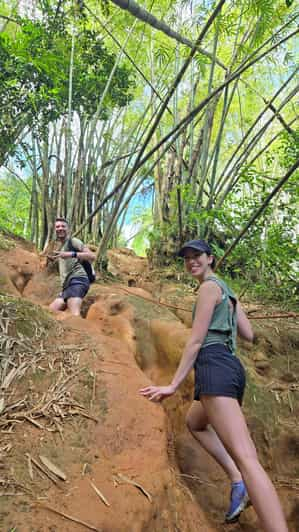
(242, 506)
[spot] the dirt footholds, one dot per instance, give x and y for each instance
(81, 410)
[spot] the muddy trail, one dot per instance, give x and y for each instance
(81, 450)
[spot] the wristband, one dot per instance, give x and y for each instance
(74, 254)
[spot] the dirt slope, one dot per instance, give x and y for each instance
(75, 400)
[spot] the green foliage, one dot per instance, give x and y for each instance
(264, 261)
(267, 266)
(34, 72)
(142, 221)
(266, 257)
(14, 206)
(289, 148)
(35, 63)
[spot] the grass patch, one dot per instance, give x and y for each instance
(5, 243)
(25, 318)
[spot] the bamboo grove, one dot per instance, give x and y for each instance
(189, 106)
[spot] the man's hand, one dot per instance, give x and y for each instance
(65, 254)
(157, 393)
(61, 255)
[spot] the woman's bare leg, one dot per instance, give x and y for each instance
(198, 424)
(226, 417)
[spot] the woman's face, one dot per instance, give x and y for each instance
(197, 263)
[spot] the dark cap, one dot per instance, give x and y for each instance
(199, 245)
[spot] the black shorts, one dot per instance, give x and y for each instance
(77, 287)
(218, 372)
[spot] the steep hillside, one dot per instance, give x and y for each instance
(69, 393)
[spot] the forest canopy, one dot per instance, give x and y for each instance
(148, 123)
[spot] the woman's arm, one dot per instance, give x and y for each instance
(243, 324)
(208, 295)
(207, 299)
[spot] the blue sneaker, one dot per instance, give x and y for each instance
(239, 499)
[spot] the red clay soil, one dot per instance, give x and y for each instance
(128, 439)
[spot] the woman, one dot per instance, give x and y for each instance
(215, 418)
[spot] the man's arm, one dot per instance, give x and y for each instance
(81, 254)
(86, 254)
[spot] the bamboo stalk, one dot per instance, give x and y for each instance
(99, 493)
(66, 516)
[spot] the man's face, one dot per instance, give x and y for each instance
(61, 229)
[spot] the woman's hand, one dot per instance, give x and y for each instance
(157, 393)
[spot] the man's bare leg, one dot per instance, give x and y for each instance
(57, 305)
(74, 305)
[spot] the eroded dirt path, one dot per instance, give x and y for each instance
(271, 409)
(124, 342)
(117, 437)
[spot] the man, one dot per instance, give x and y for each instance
(73, 276)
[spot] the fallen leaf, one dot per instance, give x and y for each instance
(52, 467)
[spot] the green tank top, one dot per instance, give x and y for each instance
(223, 325)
